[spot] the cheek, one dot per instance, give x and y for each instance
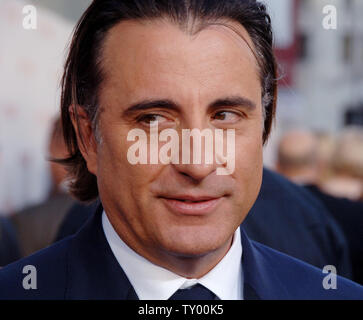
(116, 170)
(249, 161)
(249, 143)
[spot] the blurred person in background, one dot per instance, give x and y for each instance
(297, 157)
(325, 148)
(347, 166)
(31, 63)
(37, 225)
(9, 250)
(298, 160)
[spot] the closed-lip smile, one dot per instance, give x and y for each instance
(191, 205)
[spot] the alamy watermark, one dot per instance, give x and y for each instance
(330, 280)
(30, 280)
(30, 18)
(169, 152)
(330, 21)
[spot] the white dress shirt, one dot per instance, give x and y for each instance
(152, 282)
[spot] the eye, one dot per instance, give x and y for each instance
(229, 116)
(151, 119)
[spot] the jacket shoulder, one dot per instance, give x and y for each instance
(302, 281)
(42, 275)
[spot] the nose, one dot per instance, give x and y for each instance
(196, 155)
(196, 172)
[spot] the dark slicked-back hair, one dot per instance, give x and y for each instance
(83, 72)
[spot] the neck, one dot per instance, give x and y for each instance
(191, 267)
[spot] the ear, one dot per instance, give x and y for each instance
(85, 137)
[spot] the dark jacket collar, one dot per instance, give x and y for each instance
(260, 279)
(94, 273)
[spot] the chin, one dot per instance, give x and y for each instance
(195, 243)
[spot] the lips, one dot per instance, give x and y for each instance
(191, 205)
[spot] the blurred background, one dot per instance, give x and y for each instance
(320, 91)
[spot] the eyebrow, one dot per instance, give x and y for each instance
(151, 104)
(231, 101)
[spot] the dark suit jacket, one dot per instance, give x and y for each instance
(290, 219)
(37, 226)
(349, 215)
(9, 249)
(83, 267)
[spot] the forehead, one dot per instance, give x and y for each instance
(153, 57)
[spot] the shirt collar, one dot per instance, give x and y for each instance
(152, 282)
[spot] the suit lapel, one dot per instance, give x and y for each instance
(260, 280)
(93, 271)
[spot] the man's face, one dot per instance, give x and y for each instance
(149, 205)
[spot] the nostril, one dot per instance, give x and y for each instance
(193, 178)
